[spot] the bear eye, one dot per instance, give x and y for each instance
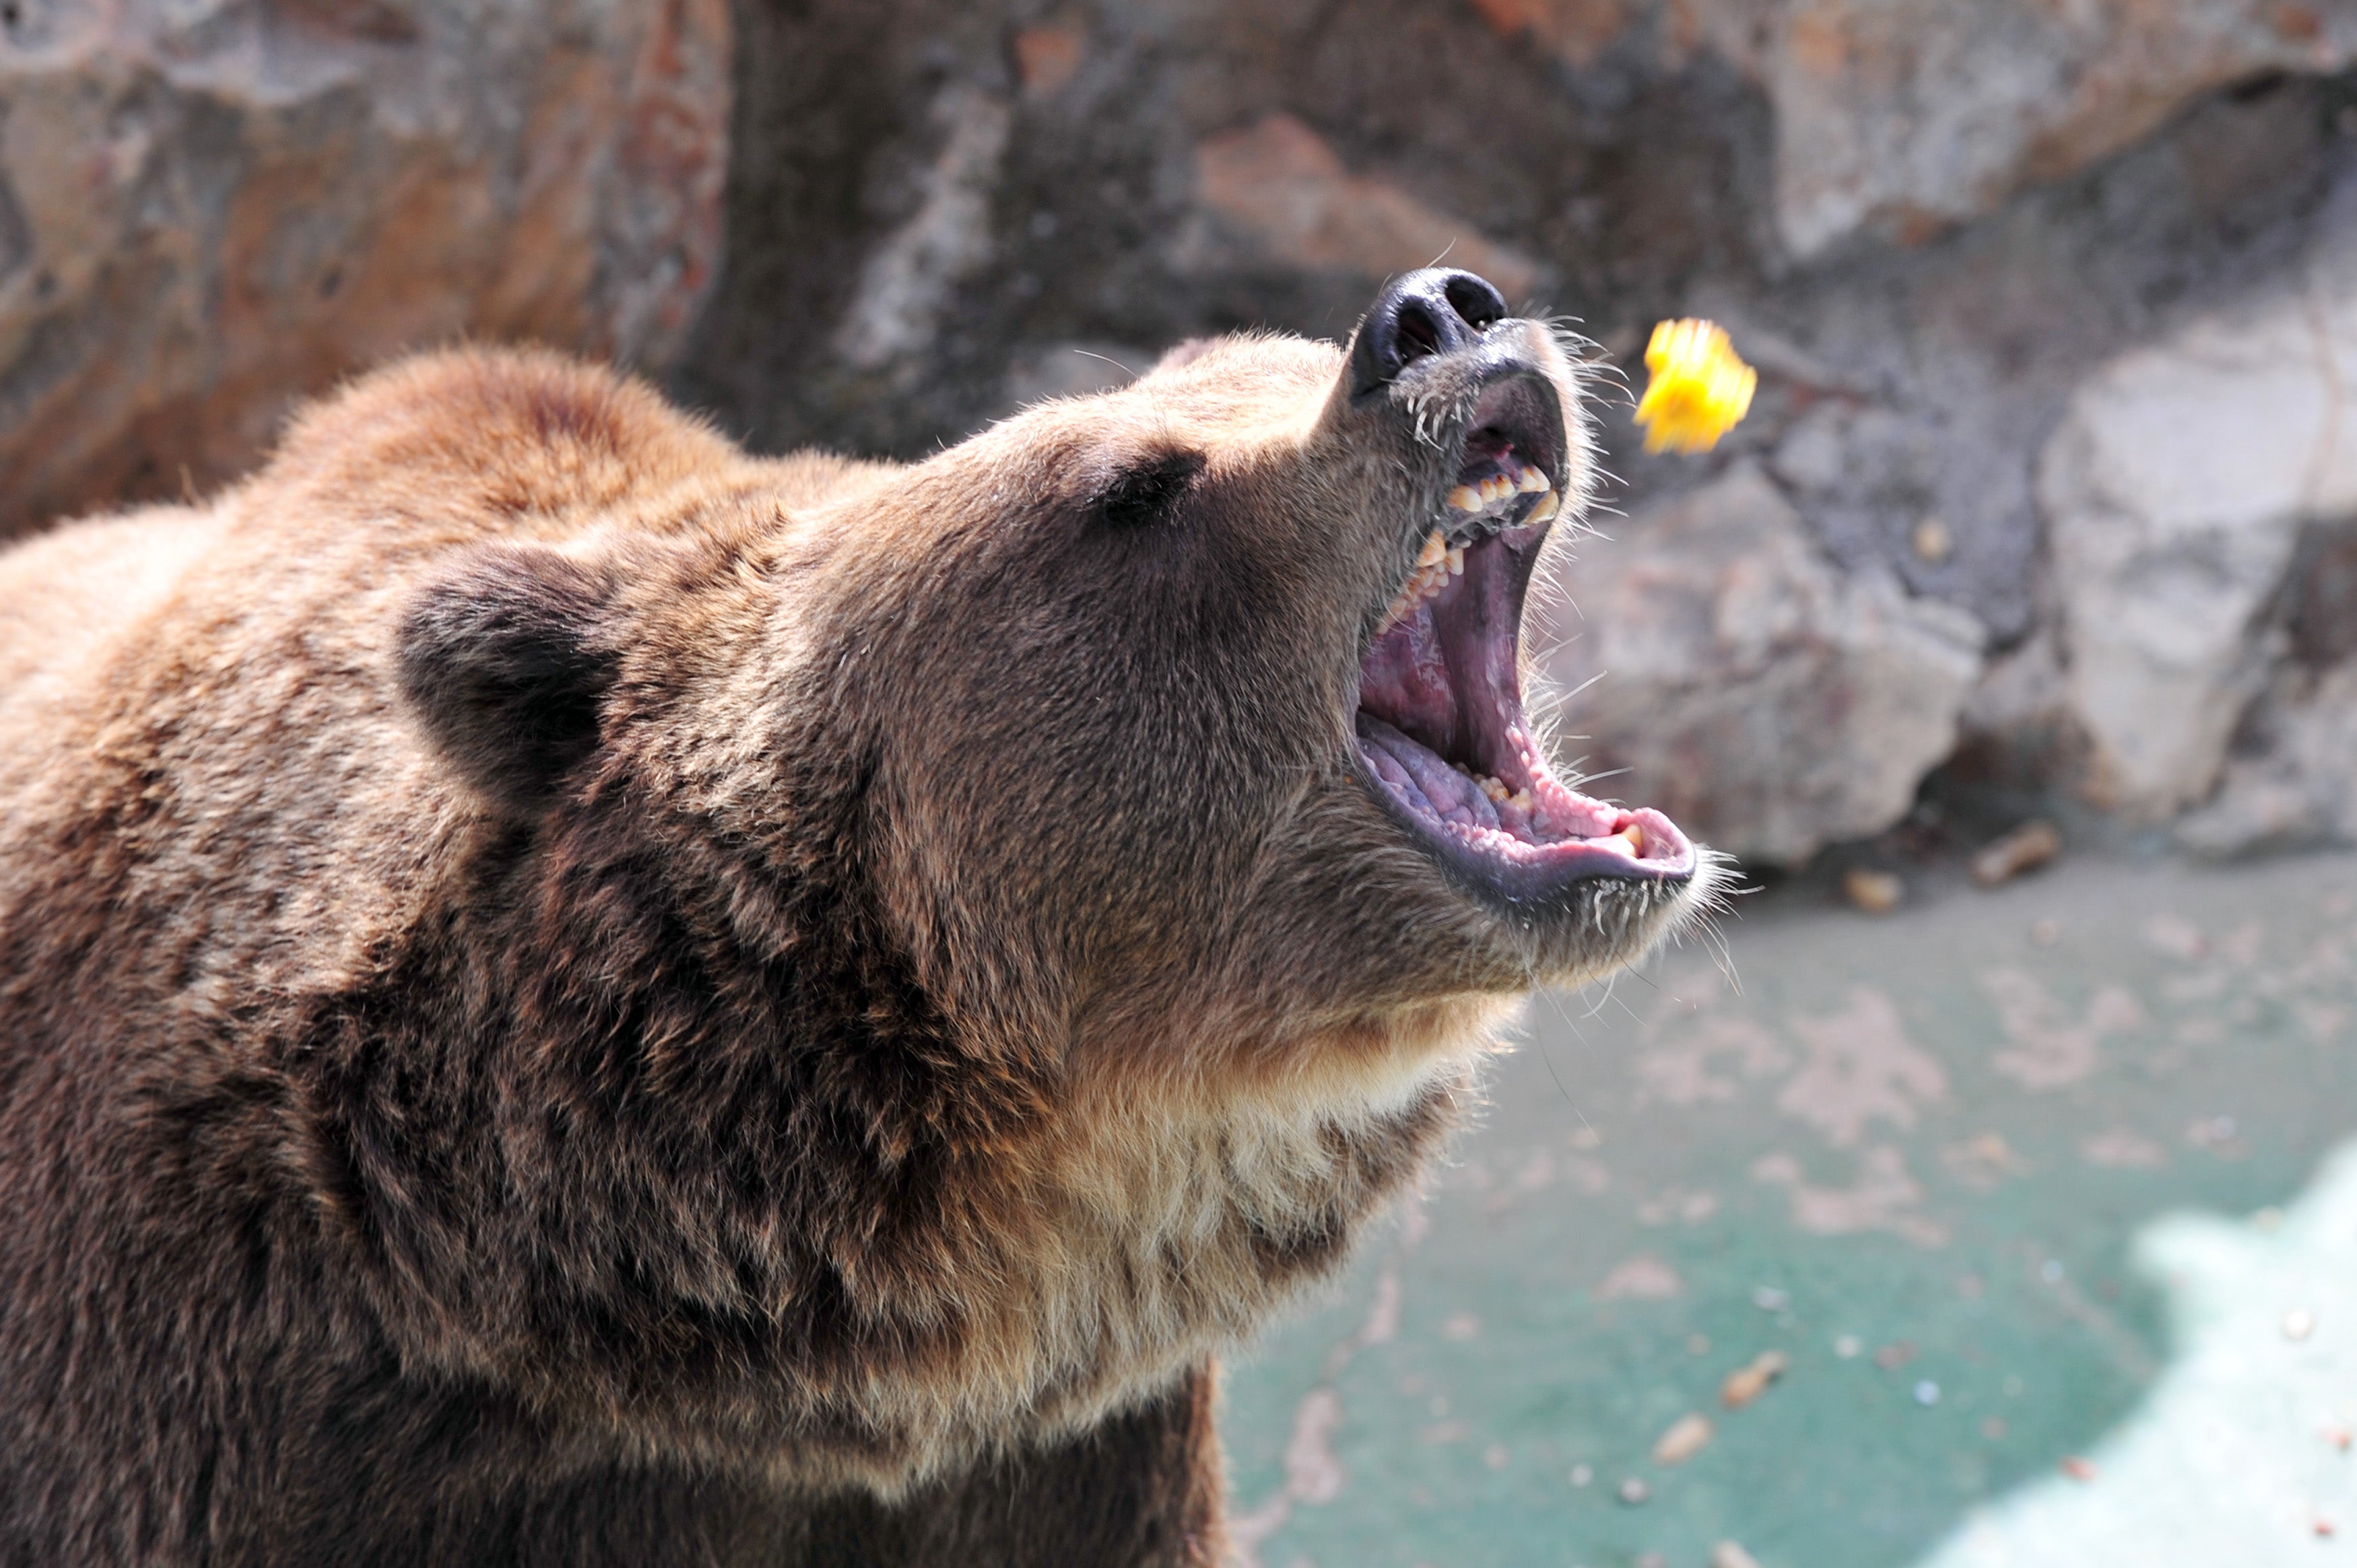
(1142, 494)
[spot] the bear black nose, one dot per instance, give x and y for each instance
(1427, 312)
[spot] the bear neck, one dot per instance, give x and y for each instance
(663, 1136)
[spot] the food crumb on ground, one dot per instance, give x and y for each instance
(1748, 1383)
(1686, 1437)
(2025, 848)
(1874, 892)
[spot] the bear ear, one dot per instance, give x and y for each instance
(505, 659)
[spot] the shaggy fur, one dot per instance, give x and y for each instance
(568, 995)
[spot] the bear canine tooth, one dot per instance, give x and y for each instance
(1436, 547)
(1465, 497)
(1547, 507)
(1534, 481)
(1457, 560)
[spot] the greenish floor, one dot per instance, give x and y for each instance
(1955, 1164)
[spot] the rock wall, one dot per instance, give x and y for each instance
(209, 208)
(1738, 677)
(1972, 246)
(2052, 476)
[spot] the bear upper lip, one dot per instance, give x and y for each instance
(1441, 728)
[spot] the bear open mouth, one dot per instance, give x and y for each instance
(1440, 719)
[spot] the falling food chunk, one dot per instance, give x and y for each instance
(2299, 1322)
(1727, 1554)
(2025, 848)
(1633, 1491)
(1749, 1383)
(1698, 389)
(1687, 1436)
(2079, 1469)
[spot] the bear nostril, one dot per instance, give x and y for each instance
(1434, 311)
(1419, 334)
(1474, 300)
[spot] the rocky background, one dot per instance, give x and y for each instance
(2050, 496)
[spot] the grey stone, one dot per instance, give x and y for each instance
(2174, 492)
(1901, 117)
(211, 208)
(1770, 702)
(2300, 788)
(1895, 119)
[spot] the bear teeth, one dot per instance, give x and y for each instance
(1435, 564)
(1477, 510)
(1490, 504)
(1496, 789)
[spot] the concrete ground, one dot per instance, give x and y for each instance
(2034, 1191)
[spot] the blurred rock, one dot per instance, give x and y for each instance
(1904, 116)
(1164, 172)
(1910, 492)
(2174, 494)
(1072, 370)
(2029, 283)
(1767, 701)
(1899, 118)
(210, 208)
(906, 283)
(2300, 787)
(1280, 187)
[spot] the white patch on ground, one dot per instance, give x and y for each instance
(2121, 1148)
(1882, 1199)
(1861, 1066)
(1641, 1278)
(2051, 1050)
(1314, 1473)
(1679, 1072)
(2234, 1457)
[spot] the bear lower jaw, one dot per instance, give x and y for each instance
(1442, 735)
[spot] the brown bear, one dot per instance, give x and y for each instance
(569, 995)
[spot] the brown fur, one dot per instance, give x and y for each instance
(567, 995)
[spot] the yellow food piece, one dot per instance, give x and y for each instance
(1698, 389)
